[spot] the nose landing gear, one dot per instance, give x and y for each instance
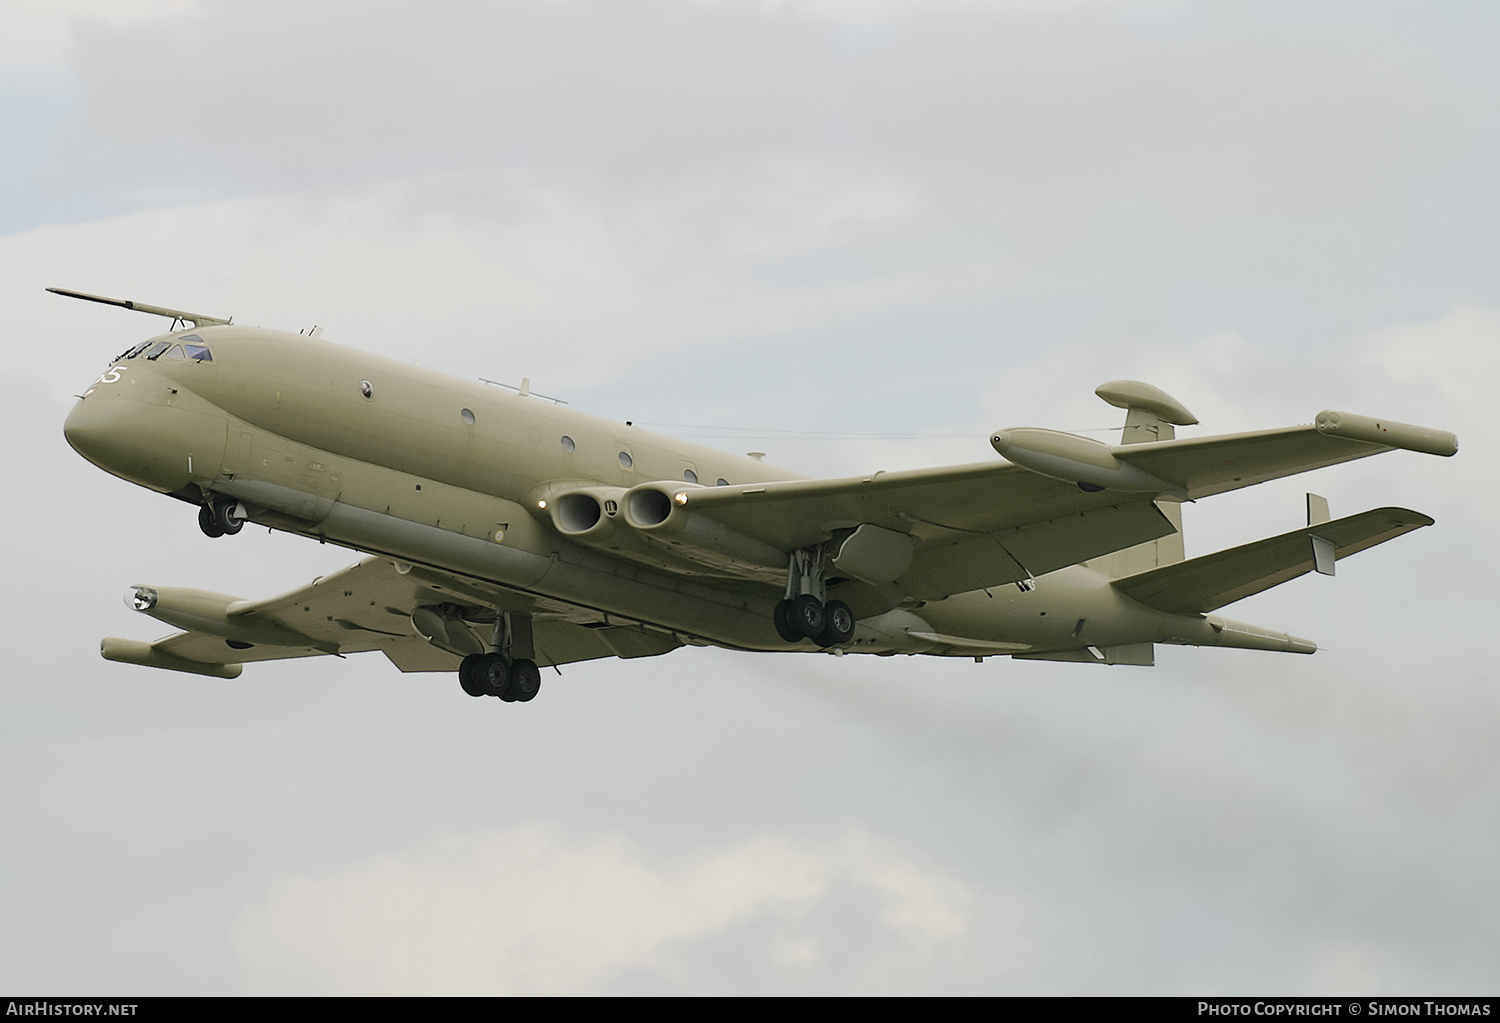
(221, 516)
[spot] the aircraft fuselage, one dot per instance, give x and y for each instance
(429, 470)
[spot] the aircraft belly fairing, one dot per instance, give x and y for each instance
(507, 534)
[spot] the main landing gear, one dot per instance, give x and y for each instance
(492, 675)
(805, 613)
(508, 670)
(221, 516)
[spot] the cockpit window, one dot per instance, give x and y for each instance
(191, 347)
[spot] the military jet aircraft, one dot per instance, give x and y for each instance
(506, 533)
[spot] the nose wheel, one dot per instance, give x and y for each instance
(221, 516)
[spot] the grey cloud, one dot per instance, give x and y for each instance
(1149, 173)
(963, 221)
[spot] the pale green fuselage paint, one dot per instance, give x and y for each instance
(408, 463)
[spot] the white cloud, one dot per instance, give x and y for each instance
(951, 221)
(544, 282)
(536, 910)
(1453, 360)
(37, 33)
(877, 13)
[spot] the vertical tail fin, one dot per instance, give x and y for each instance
(1151, 414)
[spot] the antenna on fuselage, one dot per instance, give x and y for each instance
(524, 390)
(196, 319)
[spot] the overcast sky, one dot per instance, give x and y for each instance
(912, 222)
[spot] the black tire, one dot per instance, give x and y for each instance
(839, 628)
(785, 627)
(228, 521)
(208, 521)
(492, 675)
(525, 680)
(466, 675)
(808, 615)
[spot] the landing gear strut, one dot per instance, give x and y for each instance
(805, 613)
(515, 679)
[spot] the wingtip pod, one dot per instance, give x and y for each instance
(134, 651)
(1386, 432)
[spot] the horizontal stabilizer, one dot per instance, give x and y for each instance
(1203, 584)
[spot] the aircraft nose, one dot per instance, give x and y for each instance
(87, 430)
(156, 444)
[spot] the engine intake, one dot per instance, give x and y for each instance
(650, 507)
(584, 513)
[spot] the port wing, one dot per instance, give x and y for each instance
(373, 605)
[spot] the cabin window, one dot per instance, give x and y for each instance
(723, 482)
(567, 443)
(367, 389)
(198, 353)
(690, 476)
(626, 461)
(467, 416)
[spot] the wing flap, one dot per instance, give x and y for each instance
(1204, 584)
(942, 567)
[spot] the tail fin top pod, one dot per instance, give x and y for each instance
(1150, 412)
